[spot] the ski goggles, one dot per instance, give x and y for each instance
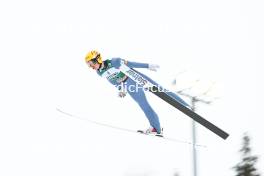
(95, 59)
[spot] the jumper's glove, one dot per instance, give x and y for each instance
(122, 91)
(122, 94)
(153, 67)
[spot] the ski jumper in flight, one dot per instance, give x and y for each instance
(109, 69)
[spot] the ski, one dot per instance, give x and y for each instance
(66, 114)
(161, 94)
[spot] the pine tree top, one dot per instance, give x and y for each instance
(246, 167)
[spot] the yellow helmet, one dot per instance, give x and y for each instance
(93, 56)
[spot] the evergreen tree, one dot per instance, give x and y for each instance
(246, 167)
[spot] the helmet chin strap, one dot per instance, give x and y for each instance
(101, 66)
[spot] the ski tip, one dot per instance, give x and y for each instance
(159, 135)
(225, 136)
(140, 131)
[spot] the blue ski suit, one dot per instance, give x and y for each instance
(111, 71)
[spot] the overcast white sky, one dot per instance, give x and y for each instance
(43, 44)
